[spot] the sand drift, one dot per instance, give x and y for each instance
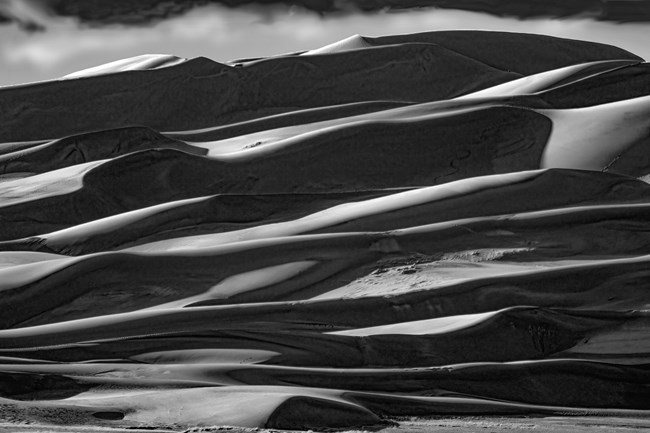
(415, 225)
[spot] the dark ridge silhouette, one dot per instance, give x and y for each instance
(196, 93)
(182, 97)
(497, 49)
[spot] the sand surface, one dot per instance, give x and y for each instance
(441, 424)
(443, 231)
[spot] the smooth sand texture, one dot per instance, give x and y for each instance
(137, 63)
(448, 224)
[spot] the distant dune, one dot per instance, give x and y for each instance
(445, 223)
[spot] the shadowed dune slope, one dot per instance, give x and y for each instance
(404, 68)
(358, 157)
(514, 51)
(625, 83)
(88, 147)
(203, 90)
(446, 223)
(284, 214)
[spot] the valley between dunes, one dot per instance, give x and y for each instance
(447, 226)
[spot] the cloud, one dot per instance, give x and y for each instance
(29, 13)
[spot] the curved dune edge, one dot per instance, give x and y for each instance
(137, 63)
(435, 224)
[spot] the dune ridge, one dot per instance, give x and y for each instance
(444, 223)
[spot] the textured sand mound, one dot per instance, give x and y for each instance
(512, 51)
(137, 63)
(354, 42)
(415, 225)
(402, 68)
(358, 157)
(264, 87)
(82, 148)
(207, 217)
(628, 82)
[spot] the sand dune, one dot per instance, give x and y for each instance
(471, 144)
(547, 80)
(137, 63)
(619, 84)
(274, 87)
(354, 42)
(446, 223)
(610, 130)
(94, 146)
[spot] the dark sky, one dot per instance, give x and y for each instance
(45, 39)
(146, 11)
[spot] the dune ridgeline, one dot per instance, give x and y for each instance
(415, 225)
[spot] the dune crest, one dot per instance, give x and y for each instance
(137, 63)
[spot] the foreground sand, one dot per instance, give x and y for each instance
(450, 225)
(585, 424)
